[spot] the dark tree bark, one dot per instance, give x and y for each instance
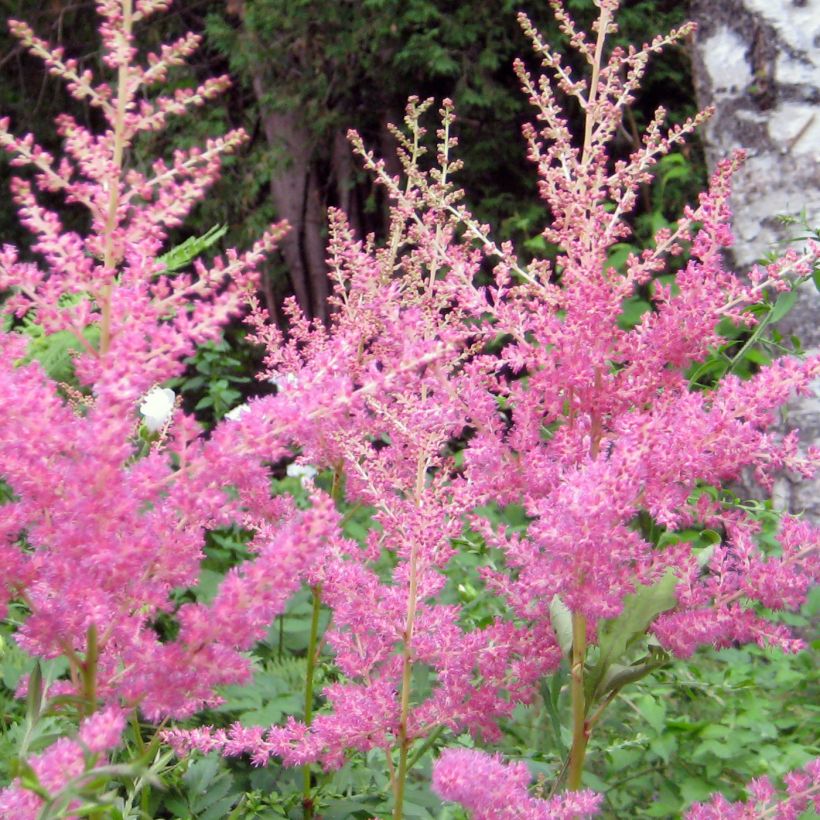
(295, 193)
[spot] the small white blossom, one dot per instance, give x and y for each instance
(304, 472)
(157, 406)
(282, 381)
(237, 412)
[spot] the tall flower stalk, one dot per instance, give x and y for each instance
(100, 530)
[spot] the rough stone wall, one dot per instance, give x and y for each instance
(758, 63)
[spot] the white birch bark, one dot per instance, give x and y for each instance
(758, 62)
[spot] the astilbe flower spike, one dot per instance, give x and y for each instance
(603, 423)
(98, 534)
(394, 305)
(494, 790)
(802, 790)
(630, 433)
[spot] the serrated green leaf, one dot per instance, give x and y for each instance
(653, 710)
(616, 635)
(785, 302)
(184, 254)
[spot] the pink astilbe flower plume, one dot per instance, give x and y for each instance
(802, 791)
(99, 533)
(494, 790)
(63, 764)
(395, 307)
(626, 431)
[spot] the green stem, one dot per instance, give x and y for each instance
(307, 800)
(337, 486)
(308, 808)
(142, 749)
(422, 750)
(580, 735)
(135, 728)
(281, 636)
(406, 675)
(89, 671)
(600, 710)
(401, 777)
(407, 651)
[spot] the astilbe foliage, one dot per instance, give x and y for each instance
(555, 406)
(64, 764)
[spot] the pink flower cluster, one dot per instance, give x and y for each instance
(802, 789)
(65, 764)
(97, 536)
(493, 790)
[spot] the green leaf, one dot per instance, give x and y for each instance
(653, 710)
(184, 254)
(785, 302)
(632, 311)
(561, 619)
(617, 635)
(758, 356)
(55, 351)
(210, 792)
(618, 255)
(618, 675)
(715, 367)
(34, 698)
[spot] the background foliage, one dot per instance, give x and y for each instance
(349, 64)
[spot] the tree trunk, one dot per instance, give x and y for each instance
(295, 192)
(757, 62)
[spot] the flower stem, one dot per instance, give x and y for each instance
(307, 800)
(407, 652)
(406, 673)
(401, 778)
(89, 672)
(123, 99)
(422, 750)
(579, 728)
(591, 115)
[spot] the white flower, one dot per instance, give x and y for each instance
(304, 472)
(282, 381)
(238, 412)
(157, 406)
